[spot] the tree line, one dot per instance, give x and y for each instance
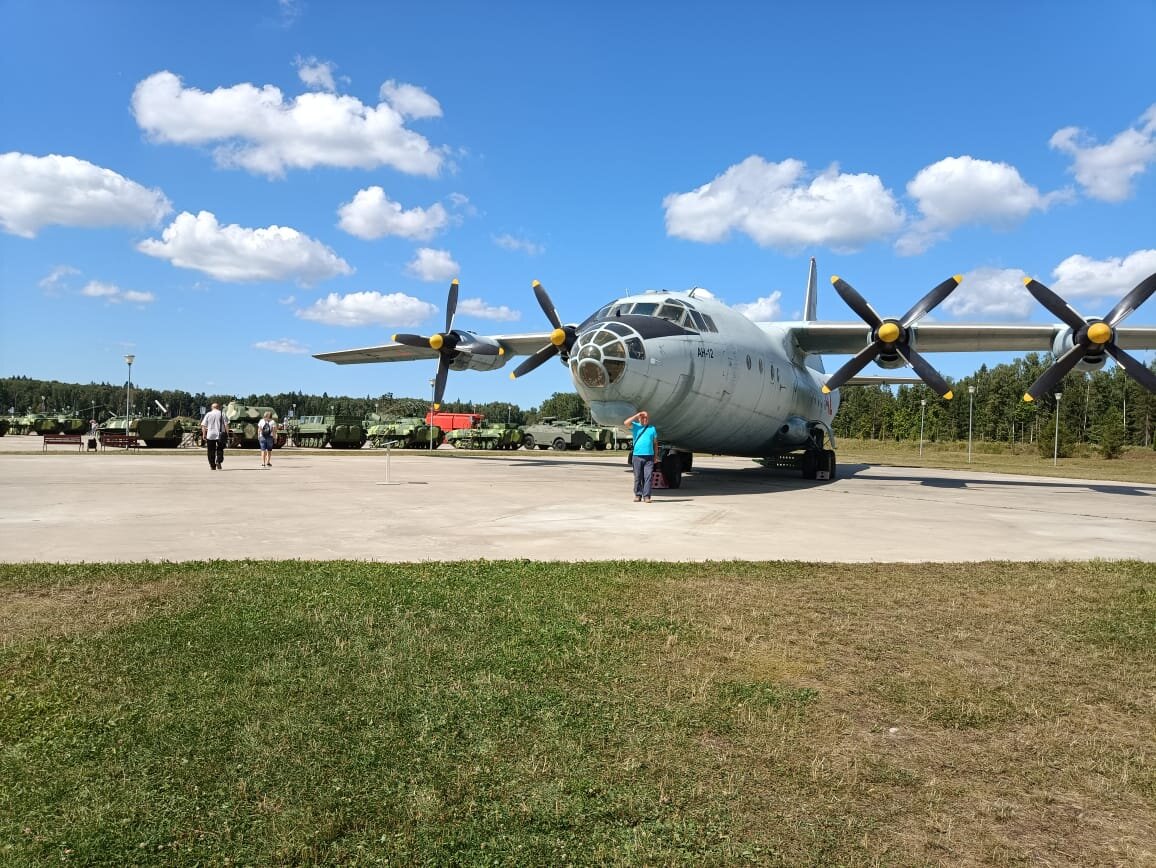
(1104, 408)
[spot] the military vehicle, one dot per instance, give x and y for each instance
(487, 435)
(40, 424)
(160, 433)
(597, 437)
(119, 425)
(552, 433)
(243, 421)
(406, 433)
(338, 432)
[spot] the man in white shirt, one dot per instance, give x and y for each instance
(215, 433)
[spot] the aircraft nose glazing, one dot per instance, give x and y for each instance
(600, 354)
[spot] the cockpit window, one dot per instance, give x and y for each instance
(710, 326)
(634, 347)
(699, 322)
(644, 308)
(618, 328)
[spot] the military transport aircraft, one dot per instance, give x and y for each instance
(721, 384)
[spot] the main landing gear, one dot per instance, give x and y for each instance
(816, 461)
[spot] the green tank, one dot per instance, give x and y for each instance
(119, 425)
(406, 433)
(594, 436)
(488, 435)
(38, 424)
(337, 432)
(243, 420)
(158, 432)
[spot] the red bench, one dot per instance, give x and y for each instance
(63, 440)
(118, 441)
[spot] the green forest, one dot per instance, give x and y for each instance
(1104, 408)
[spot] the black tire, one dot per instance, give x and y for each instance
(829, 462)
(672, 470)
(587, 445)
(528, 442)
(810, 464)
(559, 445)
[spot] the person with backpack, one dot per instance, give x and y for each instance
(643, 453)
(266, 432)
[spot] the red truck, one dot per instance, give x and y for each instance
(453, 421)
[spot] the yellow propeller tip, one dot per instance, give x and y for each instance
(958, 278)
(454, 282)
(826, 391)
(949, 396)
(1028, 398)
(513, 376)
(437, 406)
(1027, 280)
(501, 351)
(393, 338)
(535, 283)
(834, 278)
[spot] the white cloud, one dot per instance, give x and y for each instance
(960, 190)
(369, 308)
(1081, 277)
(113, 294)
(477, 308)
(763, 309)
(316, 74)
(433, 265)
(57, 279)
(777, 206)
(372, 214)
(234, 253)
(1106, 171)
(282, 345)
(990, 293)
(410, 101)
(511, 242)
(64, 191)
(258, 130)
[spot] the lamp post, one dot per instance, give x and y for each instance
(970, 404)
(433, 384)
(129, 359)
(1056, 448)
(922, 408)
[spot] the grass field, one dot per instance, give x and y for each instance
(617, 713)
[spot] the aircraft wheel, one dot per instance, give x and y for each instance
(810, 464)
(528, 442)
(829, 462)
(559, 445)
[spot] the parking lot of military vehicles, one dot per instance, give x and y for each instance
(459, 430)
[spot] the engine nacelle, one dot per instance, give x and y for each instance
(477, 353)
(1064, 342)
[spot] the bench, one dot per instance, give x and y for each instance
(63, 440)
(118, 441)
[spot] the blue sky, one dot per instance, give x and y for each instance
(224, 188)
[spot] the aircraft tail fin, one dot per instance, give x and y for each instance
(811, 310)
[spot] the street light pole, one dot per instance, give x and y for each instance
(970, 403)
(129, 359)
(1056, 448)
(922, 408)
(433, 398)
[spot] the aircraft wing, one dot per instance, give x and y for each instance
(850, 337)
(514, 345)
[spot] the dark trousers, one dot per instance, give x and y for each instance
(216, 450)
(643, 474)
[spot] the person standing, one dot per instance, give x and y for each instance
(215, 433)
(642, 453)
(266, 432)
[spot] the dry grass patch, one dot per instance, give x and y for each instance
(961, 713)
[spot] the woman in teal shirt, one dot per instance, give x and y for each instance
(642, 453)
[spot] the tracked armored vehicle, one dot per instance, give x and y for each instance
(488, 435)
(243, 421)
(406, 433)
(337, 432)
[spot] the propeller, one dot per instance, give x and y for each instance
(444, 342)
(1092, 338)
(892, 336)
(561, 339)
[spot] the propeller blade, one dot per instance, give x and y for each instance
(412, 341)
(857, 363)
(1056, 305)
(930, 301)
(1140, 293)
(440, 381)
(927, 373)
(1135, 368)
(1050, 378)
(451, 304)
(856, 302)
(547, 305)
(534, 361)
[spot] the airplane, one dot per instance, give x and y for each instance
(718, 383)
